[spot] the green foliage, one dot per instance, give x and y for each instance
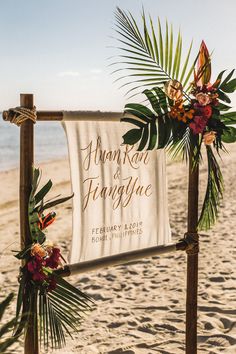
(151, 57)
(229, 135)
(228, 118)
(37, 205)
(6, 337)
(60, 310)
(214, 193)
(60, 313)
(155, 128)
(226, 86)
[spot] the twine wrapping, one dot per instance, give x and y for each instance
(19, 115)
(192, 241)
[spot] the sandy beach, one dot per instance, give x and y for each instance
(141, 306)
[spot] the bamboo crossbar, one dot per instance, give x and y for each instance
(80, 115)
(121, 258)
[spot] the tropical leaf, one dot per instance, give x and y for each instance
(226, 80)
(60, 313)
(42, 192)
(229, 135)
(6, 337)
(223, 97)
(214, 193)
(149, 124)
(132, 136)
(53, 203)
(150, 54)
(223, 107)
(228, 118)
(179, 145)
(4, 304)
(155, 129)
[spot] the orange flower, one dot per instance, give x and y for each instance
(178, 112)
(38, 250)
(209, 137)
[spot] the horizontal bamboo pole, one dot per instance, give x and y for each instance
(79, 115)
(117, 259)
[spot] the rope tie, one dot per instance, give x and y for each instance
(19, 115)
(191, 239)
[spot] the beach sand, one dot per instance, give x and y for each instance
(141, 306)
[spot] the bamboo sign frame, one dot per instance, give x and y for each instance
(189, 243)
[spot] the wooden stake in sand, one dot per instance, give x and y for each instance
(26, 169)
(192, 261)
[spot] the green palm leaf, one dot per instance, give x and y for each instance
(155, 129)
(6, 337)
(60, 313)
(214, 193)
(150, 54)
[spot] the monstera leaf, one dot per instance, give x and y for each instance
(150, 57)
(155, 129)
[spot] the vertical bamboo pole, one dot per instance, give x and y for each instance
(192, 262)
(26, 164)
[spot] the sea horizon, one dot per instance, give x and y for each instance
(50, 143)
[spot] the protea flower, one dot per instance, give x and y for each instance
(203, 75)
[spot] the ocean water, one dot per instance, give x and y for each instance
(50, 143)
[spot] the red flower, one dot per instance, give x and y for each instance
(207, 111)
(198, 124)
(35, 264)
(39, 276)
(54, 259)
(52, 284)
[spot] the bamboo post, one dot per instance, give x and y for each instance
(26, 164)
(192, 261)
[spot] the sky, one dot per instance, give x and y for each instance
(59, 50)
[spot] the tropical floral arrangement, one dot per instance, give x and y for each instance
(60, 305)
(184, 109)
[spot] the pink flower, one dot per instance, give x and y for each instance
(35, 264)
(203, 98)
(52, 284)
(53, 260)
(39, 276)
(198, 124)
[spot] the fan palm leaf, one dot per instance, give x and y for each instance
(60, 312)
(150, 54)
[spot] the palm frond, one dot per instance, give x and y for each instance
(180, 143)
(6, 337)
(213, 194)
(60, 313)
(149, 48)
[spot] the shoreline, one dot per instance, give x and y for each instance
(42, 162)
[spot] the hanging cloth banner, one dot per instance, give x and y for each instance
(120, 194)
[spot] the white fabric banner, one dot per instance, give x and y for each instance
(120, 201)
